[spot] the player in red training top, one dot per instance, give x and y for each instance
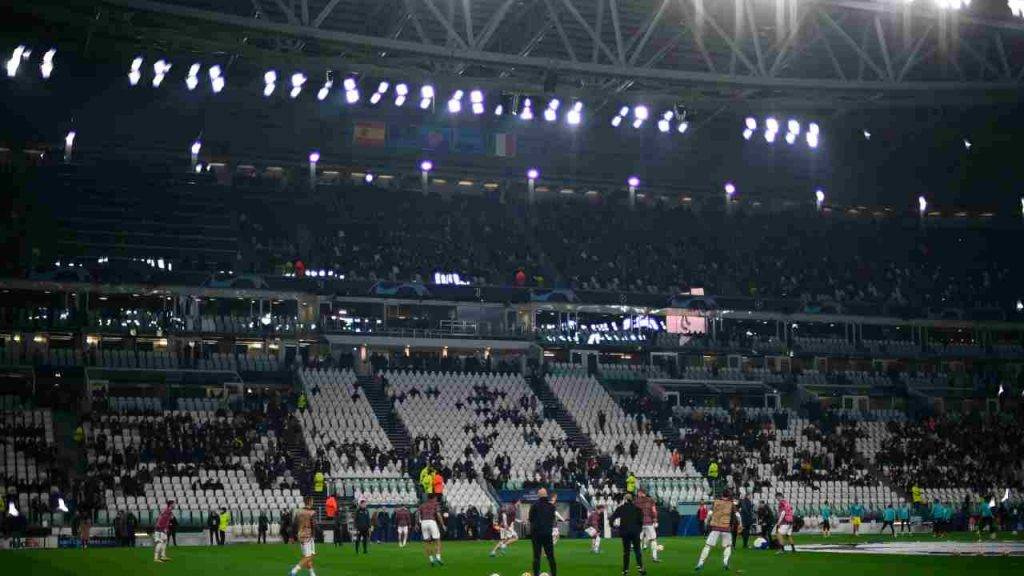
(506, 527)
(431, 524)
(649, 532)
(595, 524)
(403, 519)
(163, 524)
(784, 527)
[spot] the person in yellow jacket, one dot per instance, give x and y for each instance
(318, 482)
(427, 480)
(631, 483)
(79, 435)
(713, 470)
(222, 526)
(302, 401)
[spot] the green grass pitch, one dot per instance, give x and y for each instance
(471, 559)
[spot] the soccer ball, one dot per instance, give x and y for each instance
(527, 574)
(495, 574)
(760, 544)
(544, 574)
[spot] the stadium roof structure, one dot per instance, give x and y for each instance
(703, 54)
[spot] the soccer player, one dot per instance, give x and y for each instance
(303, 521)
(431, 524)
(163, 525)
(724, 515)
(826, 519)
(903, 515)
(889, 519)
(506, 528)
(555, 532)
(403, 519)
(362, 526)
(595, 523)
(856, 513)
(784, 526)
(649, 532)
(986, 520)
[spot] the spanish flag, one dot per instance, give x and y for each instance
(372, 134)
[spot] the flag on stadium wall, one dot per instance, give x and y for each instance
(373, 134)
(504, 144)
(436, 139)
(468, 141)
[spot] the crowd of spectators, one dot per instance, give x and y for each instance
(831, 259)
(972, 450)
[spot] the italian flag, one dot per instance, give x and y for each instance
(504, 144)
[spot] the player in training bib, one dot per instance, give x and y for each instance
(306, 536)
(724, 515)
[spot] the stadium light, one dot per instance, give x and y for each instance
(314, 157)
(298, 80)
(325, 90)
(813, 128)
(633, 182)
(426, 96)
(368, 178)
(476, 98)
(133, 76)
(196, 147)
(922, 205)
(812, 139)
(46, 68)
(730, 189)
(819, 198)
(351, 96)
(616, 121)
(455, 102)
(551, 114)
(401, 92)
(640, 115)
(160, 69)
(751, 124)
(967, 144)
(269, 83)
(15, 60)
(1016, 7)
(216, 79)
(425, 167)
(747, 134)
(793, 127)
(192, 79)
(531, 184)
(69, 144)
(527, 112)
(771, 125)
(532, 174)
(663, 126)
(769, 136)
(1022, 206)
(683, 127)
(867, 135)
(575, 114)
(499, 110)
(791, 138)
(12, 510)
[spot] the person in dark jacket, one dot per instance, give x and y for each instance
(212, 523)
(262, 524)
(362, 526)
(747, 517)
(542, 522)
(630, 520)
